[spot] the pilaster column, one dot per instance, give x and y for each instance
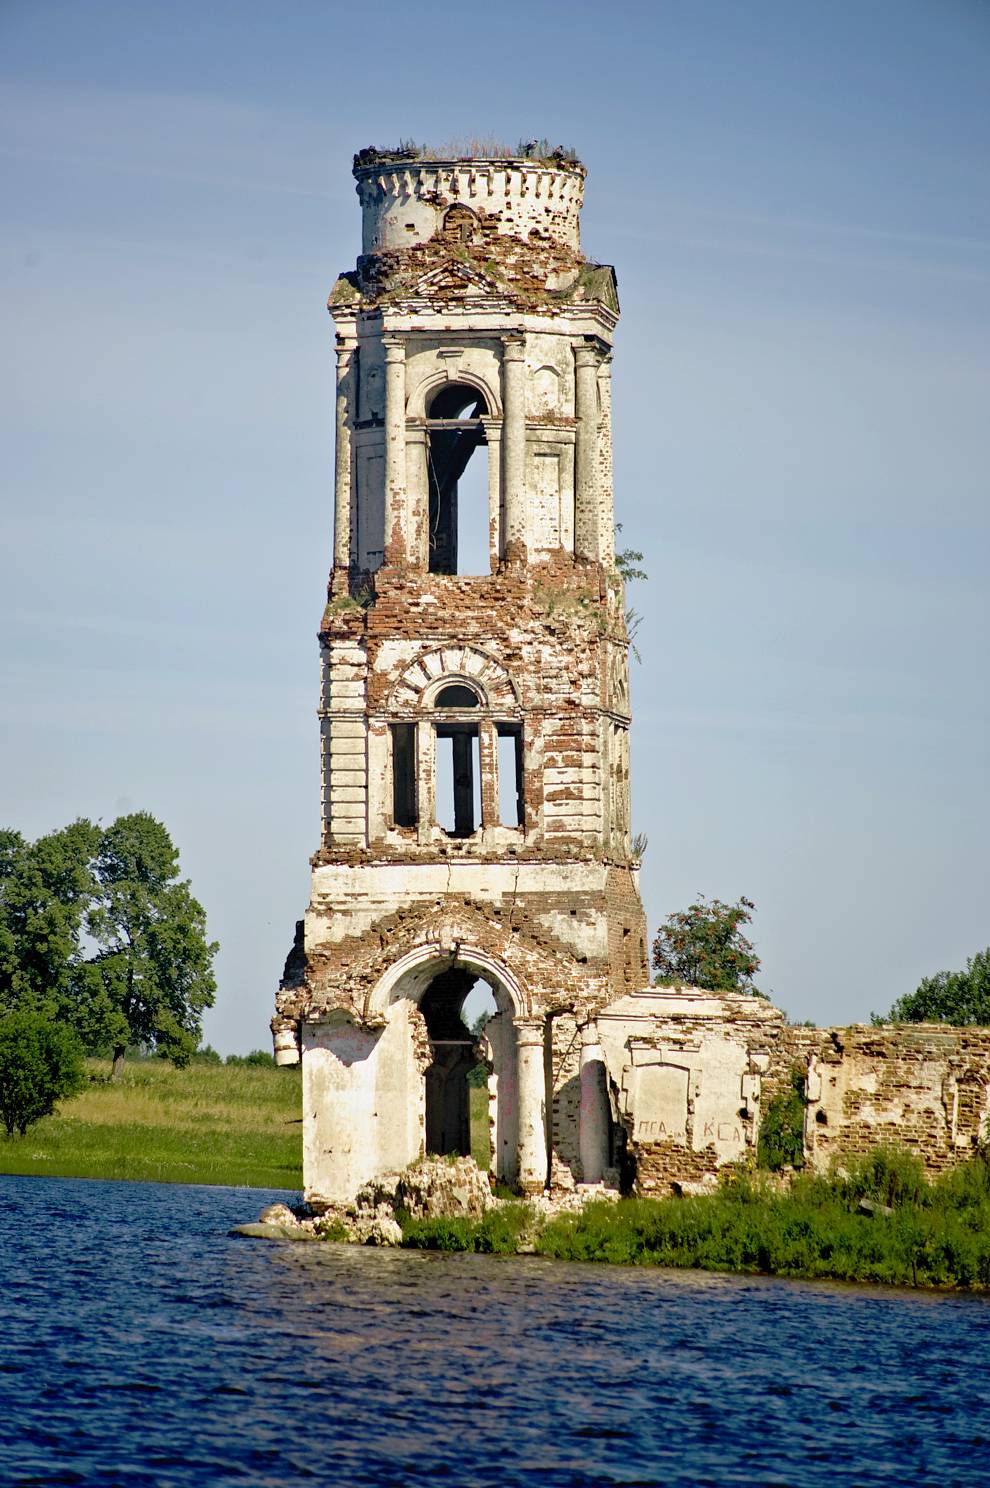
(395, 449)
(586, 515)
(532, 1094)
(417, 499)
(606, 493)
(426, 789)
(342, 460)
(514, 446)
(488, 759)
(594, 1117)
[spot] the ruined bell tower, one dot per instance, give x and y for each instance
(475, 699)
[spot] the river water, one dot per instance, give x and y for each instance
(139, 1344)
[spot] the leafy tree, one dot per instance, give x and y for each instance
(703, 946)
(152, 975)
(40, 1064)
(961, 998)
(45, 889)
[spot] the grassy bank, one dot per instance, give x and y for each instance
(917, 1234)
(204, 1124)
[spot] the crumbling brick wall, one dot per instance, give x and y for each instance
(925, 1087)
(694, 1074)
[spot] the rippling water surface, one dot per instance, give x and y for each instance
(139, 1344)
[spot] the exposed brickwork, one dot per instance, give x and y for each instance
(472, 298)
(473, 323)
(926, 1088)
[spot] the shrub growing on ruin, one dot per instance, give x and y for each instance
(703, 946)
(781, 1140)
(40, 1064)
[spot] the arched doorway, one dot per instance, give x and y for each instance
(457, 1116)
(439, 986)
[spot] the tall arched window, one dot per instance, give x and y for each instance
(458, 768)
(459, 529)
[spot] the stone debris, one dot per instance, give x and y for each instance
(432, 1189)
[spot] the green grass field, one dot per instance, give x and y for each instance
(208, 1123)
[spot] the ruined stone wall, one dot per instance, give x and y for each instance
(920, 1086)
(693, 1075)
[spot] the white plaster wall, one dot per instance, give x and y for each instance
(348, 900)
(549, 374)
(402, 204)
(503, 1093)
(718, 1071)
(363, 1104)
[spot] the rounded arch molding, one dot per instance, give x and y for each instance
(412, 973)
(423, 679)
(432, 382)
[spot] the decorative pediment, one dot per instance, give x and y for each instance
(450, 664)
(454, 279)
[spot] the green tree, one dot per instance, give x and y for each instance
(961, 998)
(703, 946)
(40, 1064)
(152, 976)
(45, 889)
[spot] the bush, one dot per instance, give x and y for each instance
(257, 1059)
(498, 1233)
(703, 946)
(40, 1064)
(889, 1175)
(206, 1054)
(781, 1140)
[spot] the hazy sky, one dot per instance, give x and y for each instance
(795, 197)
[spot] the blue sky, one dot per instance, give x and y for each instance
(795, 197)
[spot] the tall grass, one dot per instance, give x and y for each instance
(917, 1234)
(207, 1123)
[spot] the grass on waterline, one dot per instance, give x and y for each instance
(203, 1124)
(935, 1235)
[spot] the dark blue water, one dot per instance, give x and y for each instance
(140, 1345)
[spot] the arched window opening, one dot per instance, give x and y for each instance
(511, 809)
(459, 521)
(460, 225)
(451, 1123)
(456, 695)
(458, 778)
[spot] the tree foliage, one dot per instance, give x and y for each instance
(45, 890)
(960, 998)
(40, 1064)
(97, 930)
(703, 946)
